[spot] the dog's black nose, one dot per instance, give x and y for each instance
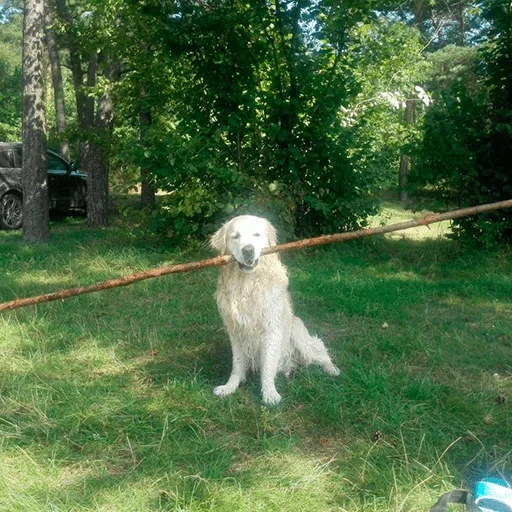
(248, 252)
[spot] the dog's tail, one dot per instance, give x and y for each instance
(310, 349)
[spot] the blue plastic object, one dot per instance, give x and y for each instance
(493, 495)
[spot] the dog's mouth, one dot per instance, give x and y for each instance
(248, 267)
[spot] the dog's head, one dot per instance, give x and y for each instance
(244, 237)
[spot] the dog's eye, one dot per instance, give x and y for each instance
(257, 234)
(235, 236)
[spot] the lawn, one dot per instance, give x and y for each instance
(106, 399)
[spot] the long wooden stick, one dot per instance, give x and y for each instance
(223, 260)
(431, 218)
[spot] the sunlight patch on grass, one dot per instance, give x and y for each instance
(286, 482)
(24, 483)
(94, 360)
(54, 485)
(391, 213)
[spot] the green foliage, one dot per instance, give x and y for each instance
(446, 157)
(291, 108)
(247, 116)
(388, 68)
(465, 151)
(10, 78)
(200, 189)
(444, 22)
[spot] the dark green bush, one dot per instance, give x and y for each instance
(465, 154)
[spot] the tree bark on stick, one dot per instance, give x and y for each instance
(224, 260)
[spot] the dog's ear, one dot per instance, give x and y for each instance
(218, 240)
(271, 235)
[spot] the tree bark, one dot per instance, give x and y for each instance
(98, 156)
(405, 161)
(418, 11)
(83, 104)
(58, 87)
(96, 126)
(462, 24)
(36, 226)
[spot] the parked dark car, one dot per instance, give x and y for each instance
(66, 185)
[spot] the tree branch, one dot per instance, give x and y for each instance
(223, 260)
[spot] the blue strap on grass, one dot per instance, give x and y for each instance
(491, 495)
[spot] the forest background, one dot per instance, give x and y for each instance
(302, 111)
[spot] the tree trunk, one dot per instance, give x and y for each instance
(462, 24)
(98, 156)
(96, 129)
(97, 186)
(437, 24)
(75, 59)
(419, 10)
(36, 226)
(405, 159)
(147, 191)
(58, 87)
(84, 103)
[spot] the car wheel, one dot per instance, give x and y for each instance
(10, 211)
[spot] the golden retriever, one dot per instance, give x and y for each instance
(253, 300)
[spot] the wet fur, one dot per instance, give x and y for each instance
(253, 300)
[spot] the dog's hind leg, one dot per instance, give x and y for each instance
(238, 371)
(310, 349)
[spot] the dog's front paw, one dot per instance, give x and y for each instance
(223, 390)
(334, 371)
(331, 369)
(271, 397)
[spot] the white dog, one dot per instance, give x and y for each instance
(253, 299)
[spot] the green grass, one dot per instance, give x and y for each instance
(106, 399)
(391, 213)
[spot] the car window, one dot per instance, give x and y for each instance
(5, 158)
(18, 162)
(56, 164)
